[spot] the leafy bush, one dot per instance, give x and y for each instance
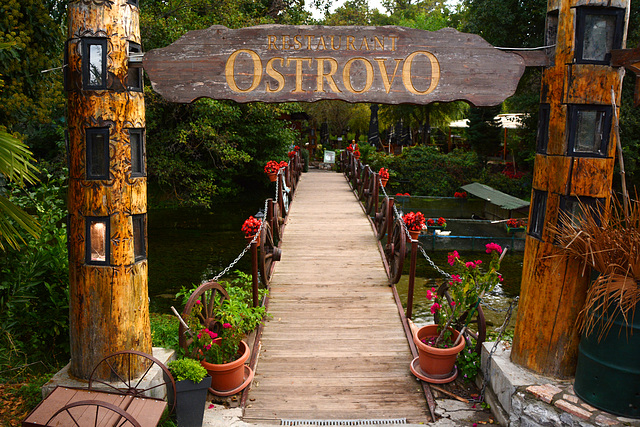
(164, 330)
(187, 369)
(34, 281)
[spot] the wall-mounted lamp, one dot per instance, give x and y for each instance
(97, 240)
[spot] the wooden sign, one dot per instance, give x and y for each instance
(279, 63)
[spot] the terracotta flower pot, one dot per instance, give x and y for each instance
(414, 234)
(273, 176)
(228, 376)
(435, 362)
(383, 181)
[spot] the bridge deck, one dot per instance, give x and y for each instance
(334, 347)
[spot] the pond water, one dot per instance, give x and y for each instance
(190, 245)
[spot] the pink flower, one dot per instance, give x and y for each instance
(456, 278)
(452, 257)
(198, 302)
(226, 325)
(453, 303)
(211, 406)
(208, 347)
(500, 277)
(478, 262)
(429, 295)
(435, 307)
(493, 247)
(470, 264)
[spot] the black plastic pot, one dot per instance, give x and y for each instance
(191, 399)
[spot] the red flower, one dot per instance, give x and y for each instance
(414, 221)
(251, 226)
(442, 222)
(384, 173)
(430, 222)
(271, 167)
(462, 194)
(291, 154)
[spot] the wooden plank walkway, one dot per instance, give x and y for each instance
(334, 348)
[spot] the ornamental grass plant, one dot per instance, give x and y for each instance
(608, 241)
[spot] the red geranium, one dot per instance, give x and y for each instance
(414, 221)
(442, 222)
(384, 173)
(458, 195)
(291, 154)
(251, 226)
(282, 164)
(271, 167)
(431, 222)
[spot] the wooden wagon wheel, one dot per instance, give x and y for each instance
(86, 416)
(382, 217)
(283, 196)
(132, 373)
(363, 188)
(269, 253)
(477, 318)
(371, 206)
(274, 219)
(208, 298)
(395, 251)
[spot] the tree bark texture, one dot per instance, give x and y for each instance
(109, 309)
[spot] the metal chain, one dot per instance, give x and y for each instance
(438, 269)
(255, 238)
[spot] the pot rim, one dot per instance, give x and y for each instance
(424, 347)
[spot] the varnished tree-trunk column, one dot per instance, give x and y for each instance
(553, 287)
(109, 308)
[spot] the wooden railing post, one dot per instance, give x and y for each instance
(412, 277)
(254, 272)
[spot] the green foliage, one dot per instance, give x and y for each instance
(468, 364)
(164, 330)
(484, 132)
(34, 281)
(187, 369)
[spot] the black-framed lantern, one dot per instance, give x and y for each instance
(135, 82)
(139, 236)
(94, 63)
(137, 142)
(589, 128)
(97, 246)
(97, 153)
(577, 207)
(542, 138)
(598, 32)
(538, 213)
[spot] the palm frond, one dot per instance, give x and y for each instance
(16, 161)
(12, 214)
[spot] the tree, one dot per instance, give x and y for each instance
(484, 132)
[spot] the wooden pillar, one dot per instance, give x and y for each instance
(109, 308)
(572, 162)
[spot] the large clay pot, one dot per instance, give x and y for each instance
(228, 376)
(414, 234)
(437, 363)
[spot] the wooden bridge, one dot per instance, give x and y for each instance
(335, 346)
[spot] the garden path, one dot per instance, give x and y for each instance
(334, 348)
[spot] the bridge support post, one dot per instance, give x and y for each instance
(107, 201)
(574, 163)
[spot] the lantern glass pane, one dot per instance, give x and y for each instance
(96, 65)
(97, 241)
(599, 32)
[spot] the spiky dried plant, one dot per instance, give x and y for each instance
(612, 248)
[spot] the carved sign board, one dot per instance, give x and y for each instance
(280, 63)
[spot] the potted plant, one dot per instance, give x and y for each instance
(251, 227)
(414, 221)
(607, 370)
(271, 169)
(219, 347)
(384, 176)
(514, 224)
(192, 383)
(457, 300)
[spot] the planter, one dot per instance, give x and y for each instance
(191, 399)
(414, 234)
(250, 238)
(228, 376)
(608, 372)
(273, 176)
(437, 364)
(515, 229)
(383, 181)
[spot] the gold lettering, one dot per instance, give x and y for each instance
(309, 38)
(435, 73)
(346, 75)
(298, 43)
(271, 42)
(383, 72)
(393, 43)
(339, 43)
(321, 42)
(298, 62)
(364, 43)
(350, 40)
(377, 43)
(275, 74)
(329, 76)
(229, 70)
(285, 42)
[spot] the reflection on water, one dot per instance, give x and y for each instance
(190, 245)
(427, 277)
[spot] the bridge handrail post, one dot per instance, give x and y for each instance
(412, 277)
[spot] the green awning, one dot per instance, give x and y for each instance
(495, 197)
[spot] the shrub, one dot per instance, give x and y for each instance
(187, 369)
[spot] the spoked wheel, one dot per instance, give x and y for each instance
(363, 189)
(283, 196)
(269, 253)
(371, 205)
(91, 413)
(133, 373)
(396, 251)
(382, 217)
(205, 302)
(477, 319)
(275, 219)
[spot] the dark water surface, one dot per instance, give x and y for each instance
(190, 245)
